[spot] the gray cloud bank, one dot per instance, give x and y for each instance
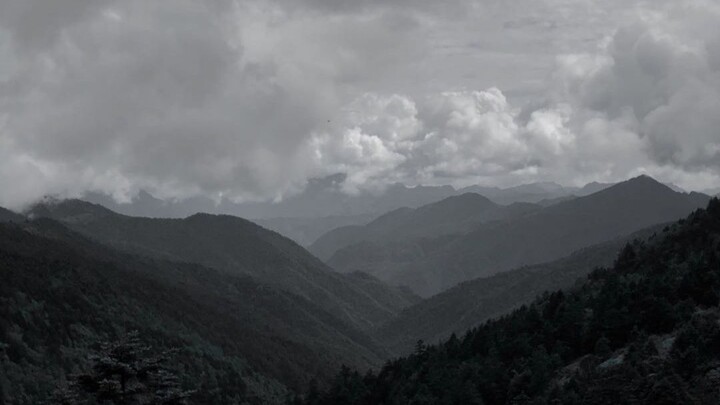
(247, 100)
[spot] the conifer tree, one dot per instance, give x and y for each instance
(125, 372)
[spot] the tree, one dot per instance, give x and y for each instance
(125, 372)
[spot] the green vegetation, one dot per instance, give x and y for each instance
(645, 330)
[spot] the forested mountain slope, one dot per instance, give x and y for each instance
(238, 340)
(235, 246)
(9, 216)
(644, 331)
(453, 215)
(550, 233)
(473, 302)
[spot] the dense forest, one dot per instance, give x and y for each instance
(92, 292)
(238, 341)
(643, 331)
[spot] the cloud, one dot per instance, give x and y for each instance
(180, 98)
(249, 99)
(645, 101)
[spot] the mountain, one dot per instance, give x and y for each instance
(535, 192)
(237, 340)
(541, 236)
(473, 302)
(306, 230)
(592, 188)
(9, 216)
(321, 198)
(302, 229)
(323, 205)
(644, 331)
(234, 246)
(457, 214)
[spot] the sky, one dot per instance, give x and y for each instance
(247, 100)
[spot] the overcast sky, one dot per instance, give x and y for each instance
(249, 99)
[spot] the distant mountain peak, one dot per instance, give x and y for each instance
(468, 197)
(642, 180)
(642, 186)
(465, 200)
(68, 207)
(9, 216)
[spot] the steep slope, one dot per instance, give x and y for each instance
(9, 216)
(458, 214)
(233, 245)
(592, 188)
(646, 331)
(473, 302)
(304, 231)
(542, 236)
(238, 339)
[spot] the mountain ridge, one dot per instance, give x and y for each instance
(238, 338)
(643, 330)
(470, 303)
(536, 237)
(230, 244)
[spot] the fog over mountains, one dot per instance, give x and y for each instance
(281, 316)
(334, 202)
(323, 205)
(324, 197)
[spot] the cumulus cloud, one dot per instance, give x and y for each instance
(180, 98)
(646, 101)
(249, 99)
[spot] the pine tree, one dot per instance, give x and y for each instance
(125, 372)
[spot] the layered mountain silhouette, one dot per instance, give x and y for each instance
(535, 192)
(429, 265)
(234, 246)
(321, 197)
(256, 317)
(644, 330)
(473, 302)
(323, 205)
(240, 340)
(452, 215)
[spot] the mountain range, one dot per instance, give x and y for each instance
(63, 293)
(256, 315)
(322, 205)
(644, 330)
(430, 264)
(235, 246)
(256, 318)
(456, 214)
(469, 304)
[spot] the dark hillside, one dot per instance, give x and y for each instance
(235, 246)
(473, 302)
(643, 331)
(545, 235)
(238, 339)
